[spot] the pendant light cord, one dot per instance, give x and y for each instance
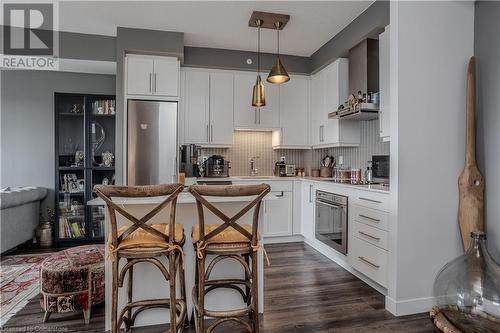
(278, 29)
(258, 50)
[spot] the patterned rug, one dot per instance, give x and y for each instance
(19, 282)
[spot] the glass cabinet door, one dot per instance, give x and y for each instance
(101, 144)
(70, 118)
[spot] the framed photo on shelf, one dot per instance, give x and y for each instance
(66, 179)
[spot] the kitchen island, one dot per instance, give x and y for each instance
(148, 281)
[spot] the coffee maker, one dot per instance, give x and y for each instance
(216, 166)
(189, 155)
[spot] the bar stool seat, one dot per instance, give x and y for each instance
(143, 239)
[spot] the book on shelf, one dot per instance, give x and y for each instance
(71, 227)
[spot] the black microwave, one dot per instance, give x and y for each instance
(380, 169)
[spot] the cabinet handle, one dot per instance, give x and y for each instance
(255, 117)
(370, 200)
(280, 195)
(368, 262)
(282, 134)
(258, 117)
(369, 218)
(211, 133)
(156, 82)
(310, 193)
(368, 235)
(150, 82)
(208, 134)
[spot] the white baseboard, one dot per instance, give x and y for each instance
(283, 239)
(408, 306)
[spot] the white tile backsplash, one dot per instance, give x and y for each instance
(248, 144)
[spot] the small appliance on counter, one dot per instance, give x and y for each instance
(380, 169)
(189, 155)
(215, 166)
(290, 170)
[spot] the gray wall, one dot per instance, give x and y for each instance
(27, 122)
(487, 51)
(369, 24)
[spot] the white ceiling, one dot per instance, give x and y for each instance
(217, 24)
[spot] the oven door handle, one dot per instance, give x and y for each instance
(329, 204)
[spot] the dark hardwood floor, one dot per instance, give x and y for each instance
(304, 292)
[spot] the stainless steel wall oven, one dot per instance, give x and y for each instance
(331, 220)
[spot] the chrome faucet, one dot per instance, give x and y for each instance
(253, 170)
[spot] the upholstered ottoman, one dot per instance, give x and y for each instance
(73, 280)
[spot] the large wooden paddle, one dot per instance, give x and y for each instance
(471, 182)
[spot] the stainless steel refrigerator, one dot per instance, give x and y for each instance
(151, 142)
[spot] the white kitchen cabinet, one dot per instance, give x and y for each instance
(329, 88)
(278, 219)
(384, 77)
(152, 75)
(166, 76)
(221, 108)
(294, 114)
(207, 105)
(196, 107)
(245, 115)
(307, 226)
(139, 75)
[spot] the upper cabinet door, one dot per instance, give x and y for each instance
(196, 107)
(294, 112)
(139, 75)
(166, 76)
(245, 115)
(221, 108)
(384, 76)
(269, 115)
(317, 103)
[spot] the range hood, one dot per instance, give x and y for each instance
(364, 77)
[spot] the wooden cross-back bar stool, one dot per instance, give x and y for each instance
(143, 242)
(227, 240)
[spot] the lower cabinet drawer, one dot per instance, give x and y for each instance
(369, 260)
(370, 234)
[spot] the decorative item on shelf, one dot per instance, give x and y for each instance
(79, 158)
(76, 109)
(105, 181)
(278, 73)
(315, 173)
(258, 94)
(44, 231)
(97, 138)
(73, 187)
(107, 159)
(352, 102)
(81, 185)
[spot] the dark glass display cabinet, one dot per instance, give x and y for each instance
(84, 153)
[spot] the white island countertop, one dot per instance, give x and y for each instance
(184, 198)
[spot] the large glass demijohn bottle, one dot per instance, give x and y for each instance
(467, 289)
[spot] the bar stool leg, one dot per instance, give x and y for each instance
(114, 296)
(130, 288)
(182, 278)
(173, 308)
(255, 294)
(201, 295)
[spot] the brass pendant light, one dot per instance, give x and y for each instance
(278, 73)
(259, 95)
